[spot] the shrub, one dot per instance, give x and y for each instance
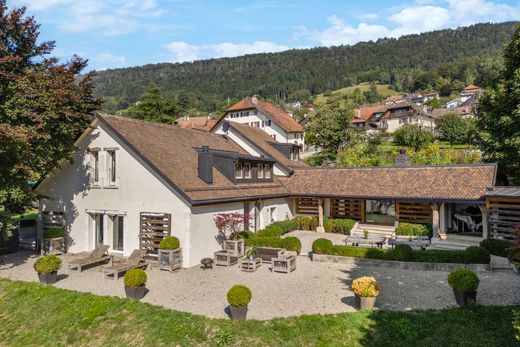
(239, 296)
(270, 231)
(246, 234)
(410, 229)
(292, 244)
(402, 253)
(135, 278)
(52, 233)
(463, 280)
(497, 247)
(413, 136)
(322, 246)
(365, 287)
(169, 242)
(307, 223)
(47, 264)
(338, 226)
(287, 225)
(476, 254)
(264, 242)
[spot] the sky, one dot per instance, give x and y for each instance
(121, 33)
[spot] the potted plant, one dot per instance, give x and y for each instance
(366, 290)
(135, 280)
(47, 268)
(229, 226)
(54, 240)
(251, 253)
(365, 233)
(169, 254)
(238, 298)
(464, 283)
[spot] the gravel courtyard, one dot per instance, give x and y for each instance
(314, 288)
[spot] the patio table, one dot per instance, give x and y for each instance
(370, 241)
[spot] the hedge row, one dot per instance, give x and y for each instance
(338, 226)
(411, 229)
(289, 243)
(472, 255)
(497, 247)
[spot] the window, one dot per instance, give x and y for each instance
(112, 166)
(118, 228)
(271, 214)
(255, 113)
(260, 170)
(256, 124)
(268, 123)
(267, 171)
(238, 170)
(247, 170)
(95, 166)
(263, 124)
(99, 228)
(295, 154)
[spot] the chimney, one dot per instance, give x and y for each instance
(205, 165)
(402, 158)
(254, 98)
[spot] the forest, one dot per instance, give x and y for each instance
(442, 60)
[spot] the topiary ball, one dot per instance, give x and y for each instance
(47, 264)
(169, 242)
(239, 296)
(402, 252)
(320, 246)
(135, 278)
(463, 280)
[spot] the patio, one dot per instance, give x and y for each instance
(314, 288)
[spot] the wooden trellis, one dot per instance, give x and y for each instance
(307, 206)
(504, 216)
(153, 228)
(414, 212)
(346, 208)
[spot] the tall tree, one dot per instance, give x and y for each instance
(153, 107)
(454, 128)
(498, 116)
(44, 106)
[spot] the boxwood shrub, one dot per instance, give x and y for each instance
(472, 255)
(169, 242)
(292, 244)
(270, 231)
(52, 233)
(307, 223)
(135, 278)
(287, 225)
(289, 243)
(411, 229)
(246, 234)
(239, 296)
(338, 226)
(497, 247)
(47, 264)
(463, 280)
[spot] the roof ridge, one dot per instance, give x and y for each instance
(393, 167)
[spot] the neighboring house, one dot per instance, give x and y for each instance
(198, 123)
(363, 114)
(471, 90)
(266, 116)
(133, 182)
(464, 112)
(462, 101)
(395, 116)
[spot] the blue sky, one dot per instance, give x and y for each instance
(120, 33)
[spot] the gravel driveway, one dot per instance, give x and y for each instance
(314, 288)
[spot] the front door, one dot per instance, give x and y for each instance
(380, 212)
(99, 228)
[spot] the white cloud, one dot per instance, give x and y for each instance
(419, 17)
(369, 16)
(183, 51)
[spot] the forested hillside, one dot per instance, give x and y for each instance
(440, 60)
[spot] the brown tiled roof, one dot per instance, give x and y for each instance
(462, 111)
(170, 151)
(428, 183)
(262, 140)
(366, 111)
(198, 123)
(281, 118)
(471, 89)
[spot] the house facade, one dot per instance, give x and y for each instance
(133, 182)
(268, 117)
(390, 118)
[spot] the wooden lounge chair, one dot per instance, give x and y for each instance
(97, 257)
(134, 261)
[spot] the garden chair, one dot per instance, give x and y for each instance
(134, 261)
(98, 256)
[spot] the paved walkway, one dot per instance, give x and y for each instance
(314, 288)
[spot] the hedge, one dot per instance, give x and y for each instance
(270, 231)
(338, 226)
(472, 255)
(307, 223)
(289, 243)
(287, 225)
(411, 229)
(497, 247)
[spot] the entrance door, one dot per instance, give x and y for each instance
(99, 228)
(380, 212)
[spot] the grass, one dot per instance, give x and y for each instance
(34, 315)
(383, 89)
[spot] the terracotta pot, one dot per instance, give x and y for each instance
(365, 302)
(48, 278)
(238, 313)
(135, 293)
(465, 298)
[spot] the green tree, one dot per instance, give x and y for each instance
(372, 95)
(412, 136)
(454, 128)
(329, 125)
(154, 108)
(498, 116)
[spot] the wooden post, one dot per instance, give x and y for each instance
(435, 220)
(320, 227)
(485, 229)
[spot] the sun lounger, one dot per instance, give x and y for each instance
(134, 261)
(97, 257)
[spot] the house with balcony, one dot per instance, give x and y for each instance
(392, 117)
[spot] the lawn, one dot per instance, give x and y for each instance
(34, 315)
(382, 89)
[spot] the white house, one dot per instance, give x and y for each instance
(266, 116)
(133, 182)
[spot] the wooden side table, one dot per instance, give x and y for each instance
(250, 265)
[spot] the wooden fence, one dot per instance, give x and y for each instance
(153, 228)
(414, 212)
(345, 208)
(504, 216)
(307, 206)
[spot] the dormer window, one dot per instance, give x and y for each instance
(260, 170)
(294, 154)
(267, 171)
(247, 170)
(239, 170)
